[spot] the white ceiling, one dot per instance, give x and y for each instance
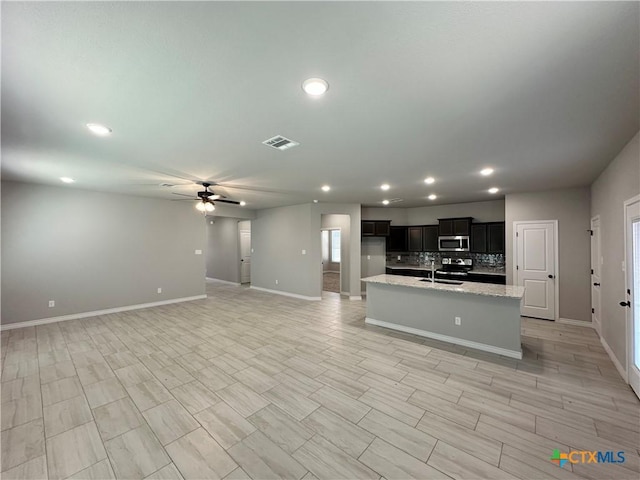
(546, 93)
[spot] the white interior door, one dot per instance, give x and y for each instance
(631, 303)
(535, 249)
(596, 266)
(245, 256)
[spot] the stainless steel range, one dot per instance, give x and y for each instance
(454, 268)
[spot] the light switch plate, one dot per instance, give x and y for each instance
(304, 252)
(198, 252)
(368, 257)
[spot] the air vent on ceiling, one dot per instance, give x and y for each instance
(168, 185)
(280, 142)
(395, 200)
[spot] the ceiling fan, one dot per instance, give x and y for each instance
(206, 198)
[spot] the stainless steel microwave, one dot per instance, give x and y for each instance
(453, 244)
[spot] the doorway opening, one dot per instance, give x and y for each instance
(331, 260)
(244, 234)
(596, 267)
(631, 302)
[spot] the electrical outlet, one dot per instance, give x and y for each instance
(159, 290)
(304, 252)
(368, 257)
(198, 252)
(276, 282)
(252, 250)
(458, 321)
(52, 303)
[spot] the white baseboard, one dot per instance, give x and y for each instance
(621, 370)
(286, 294)
(95, 313)
(577, 323)
(355, 297)
(445, 338)
(223, 281)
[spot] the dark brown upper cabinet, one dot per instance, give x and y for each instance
(430, 238)
(375, 228)
(495, 237)
(397, 241)
(487, 237)
(478, 238)
(415, 239)
(382, 229)
(454, 226)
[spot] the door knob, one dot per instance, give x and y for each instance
(550, 276)
(625, 304)
(596, 284)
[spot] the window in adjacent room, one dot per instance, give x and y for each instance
(335, 246)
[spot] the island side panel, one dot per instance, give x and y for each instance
(486, 320)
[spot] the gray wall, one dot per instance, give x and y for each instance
(398, 216)
(343, 223)
(373, 257)
(232, 211)
(490, 211)
(278, 236)
(223, 249)
(617, 183)
(571, 208)
(92, 251)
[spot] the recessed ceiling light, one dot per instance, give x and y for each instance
(385, 186)
(326, 188)
(433, 196)
(243, 203)
(486, 171)
(494, 190)
(98, 129)
(385, 202)
(315, 86)
(429, 180)
(67, 179)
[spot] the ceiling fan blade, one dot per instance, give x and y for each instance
(228, 201)
(215, 196)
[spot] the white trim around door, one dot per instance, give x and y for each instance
(596, 274)
(556, 275)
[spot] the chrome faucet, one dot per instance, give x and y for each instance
(433, 273)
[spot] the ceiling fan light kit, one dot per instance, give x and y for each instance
(205, 206)
(206, 199)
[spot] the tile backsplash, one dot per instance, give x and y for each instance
(485, 261)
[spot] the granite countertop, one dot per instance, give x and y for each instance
(439, 267)
(486, 289)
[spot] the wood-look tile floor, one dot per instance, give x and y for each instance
(247, 384)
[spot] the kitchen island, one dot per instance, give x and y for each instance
(489, 314)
